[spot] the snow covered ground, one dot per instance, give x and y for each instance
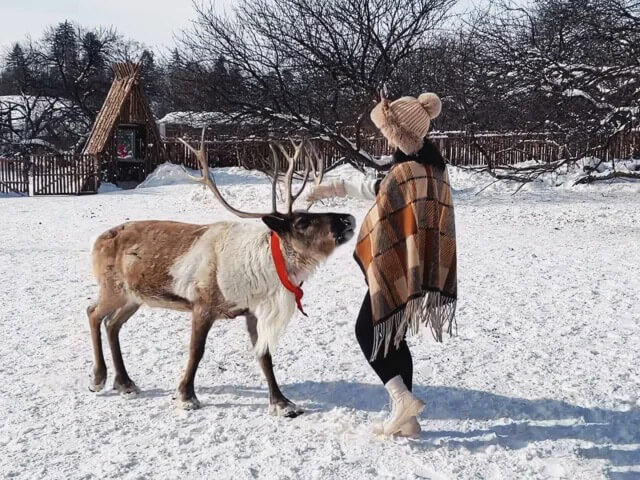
(541, 382)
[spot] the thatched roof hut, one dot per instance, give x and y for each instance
(125, 134)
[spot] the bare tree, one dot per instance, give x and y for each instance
(52, 89)
(28, 121)
(568, 63)
(310, 66)
(569, 66)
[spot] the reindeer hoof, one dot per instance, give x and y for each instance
(97, 386)
(126, 389)
(287, 410)
(188, 403)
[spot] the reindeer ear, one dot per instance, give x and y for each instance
(277, 223)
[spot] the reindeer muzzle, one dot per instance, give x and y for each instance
(343, 227)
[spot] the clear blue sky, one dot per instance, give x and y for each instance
(152, 22)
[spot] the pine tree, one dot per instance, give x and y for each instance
(18, 74)
(64, 50)
(150, 73)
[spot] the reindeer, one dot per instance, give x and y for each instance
(216, 271)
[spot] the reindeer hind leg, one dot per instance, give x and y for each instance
(97, 313)
(114, 323)
(201, 323)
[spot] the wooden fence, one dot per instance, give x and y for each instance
(459, 148)
(14, 176)
(622, 146)
(68, 174)
(498, 148)
(73, 174)
(247, 153)
(220, 153)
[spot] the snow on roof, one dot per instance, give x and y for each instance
(34, 103)
(197, 119)
(21, 107)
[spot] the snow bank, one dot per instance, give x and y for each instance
(168, 174)
(172, 174)
(107, 187)
(10, 194)
(478, 182)
(463, 180)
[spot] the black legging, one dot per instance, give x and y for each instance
(397, 361)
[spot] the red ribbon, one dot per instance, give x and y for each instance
(281, 268)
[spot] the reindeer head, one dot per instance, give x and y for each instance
(312, 235)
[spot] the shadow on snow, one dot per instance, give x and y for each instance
(514, 422)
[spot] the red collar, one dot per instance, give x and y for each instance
(281, 268)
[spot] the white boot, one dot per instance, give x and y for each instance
(405, 405)
(410, 429)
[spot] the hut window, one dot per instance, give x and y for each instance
(126, 144)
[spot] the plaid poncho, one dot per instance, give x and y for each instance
(407, 252)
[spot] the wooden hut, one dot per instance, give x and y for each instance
(125, 135)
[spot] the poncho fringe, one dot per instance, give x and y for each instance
(432, 309)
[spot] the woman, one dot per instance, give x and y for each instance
(407, 252)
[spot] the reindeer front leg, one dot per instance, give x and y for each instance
(203, 318)
(278, 404)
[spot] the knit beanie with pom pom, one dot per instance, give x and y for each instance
(405, 121)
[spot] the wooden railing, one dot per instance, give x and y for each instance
(67, 174)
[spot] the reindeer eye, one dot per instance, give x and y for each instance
(303, 223)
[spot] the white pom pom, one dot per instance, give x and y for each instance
(431, 103)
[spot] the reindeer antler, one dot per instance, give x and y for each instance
(317, 166)
(298, 149)
(274, 184)
(384, 93)
(208, 180)
(317, 163)
(277, 149)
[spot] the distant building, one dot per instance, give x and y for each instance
(190, 124)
